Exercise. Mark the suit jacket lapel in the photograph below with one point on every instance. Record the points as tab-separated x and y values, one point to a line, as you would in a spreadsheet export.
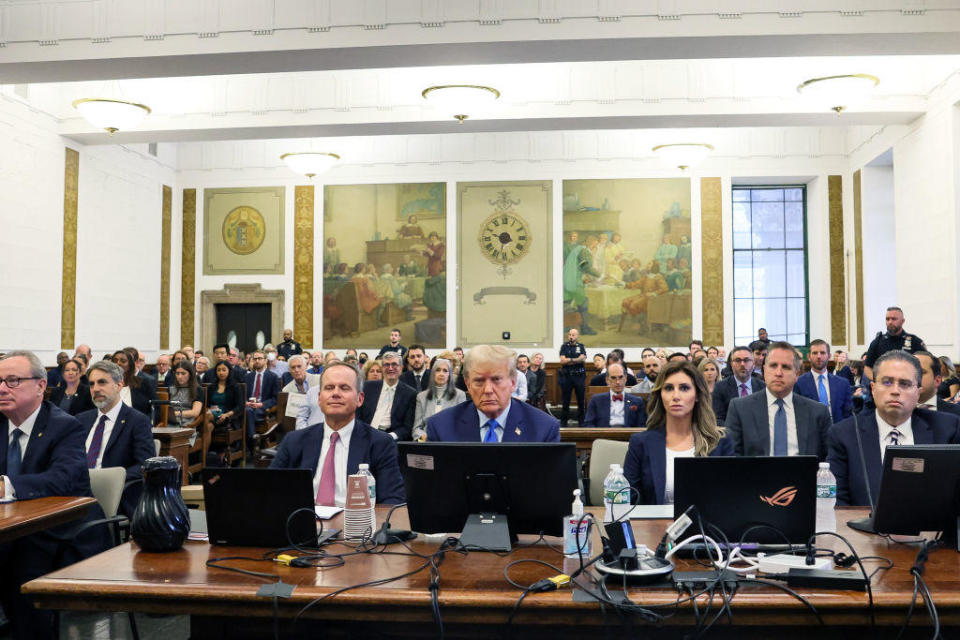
870	438
513	430
117	428
468	424
605	408
33	444
761	422
4	441
310	456
358	444
657	455
802	418
922	431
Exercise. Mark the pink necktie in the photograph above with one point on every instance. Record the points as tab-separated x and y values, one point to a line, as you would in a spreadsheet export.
743	389
328	480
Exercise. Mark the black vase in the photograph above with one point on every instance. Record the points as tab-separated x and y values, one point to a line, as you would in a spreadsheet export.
161	521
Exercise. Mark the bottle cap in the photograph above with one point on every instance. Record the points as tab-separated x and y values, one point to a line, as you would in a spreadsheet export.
824	465
363	466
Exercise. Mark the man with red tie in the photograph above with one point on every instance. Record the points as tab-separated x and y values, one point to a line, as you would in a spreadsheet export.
263	386
616	408
336	448
741	384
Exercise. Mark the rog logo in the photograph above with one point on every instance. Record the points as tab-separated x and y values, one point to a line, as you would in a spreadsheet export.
781	498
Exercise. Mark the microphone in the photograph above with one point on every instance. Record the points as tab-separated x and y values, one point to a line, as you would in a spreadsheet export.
863	524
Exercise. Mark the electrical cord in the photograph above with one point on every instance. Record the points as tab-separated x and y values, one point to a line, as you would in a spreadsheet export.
788	590
858	561
920	588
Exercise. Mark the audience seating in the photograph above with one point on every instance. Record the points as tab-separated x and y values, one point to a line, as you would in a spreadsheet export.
203	424
232	433
602	455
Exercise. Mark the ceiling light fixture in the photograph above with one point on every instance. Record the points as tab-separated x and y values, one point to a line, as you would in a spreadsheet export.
310	163
841	91
110	114
461	101
683	154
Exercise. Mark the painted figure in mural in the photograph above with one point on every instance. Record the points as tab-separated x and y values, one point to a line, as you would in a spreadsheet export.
654	285
577	266
367	295
398	289
435	287
664	252
672	276
683	266
614	250
436	253
633	274
684	251
596	255
411	229
331	255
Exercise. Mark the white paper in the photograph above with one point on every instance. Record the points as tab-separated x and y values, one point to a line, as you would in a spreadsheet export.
325	513
294	402
651	512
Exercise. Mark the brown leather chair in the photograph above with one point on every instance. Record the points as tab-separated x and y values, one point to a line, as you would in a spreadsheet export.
203	423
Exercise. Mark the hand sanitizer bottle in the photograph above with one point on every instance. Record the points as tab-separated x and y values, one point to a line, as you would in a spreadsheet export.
576	528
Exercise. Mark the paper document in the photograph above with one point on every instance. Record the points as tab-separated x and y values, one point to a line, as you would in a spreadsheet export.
326	512
294	402
651	512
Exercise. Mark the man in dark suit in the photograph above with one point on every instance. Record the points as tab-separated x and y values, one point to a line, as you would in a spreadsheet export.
616	408
929	398
417	374
741	384
824	387
778	422
41	454
896	420
263	386
335	449
491	415
116	435
389	405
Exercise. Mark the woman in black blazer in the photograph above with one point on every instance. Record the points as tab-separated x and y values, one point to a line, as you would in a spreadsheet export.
224	399
72	394
681	423
141	390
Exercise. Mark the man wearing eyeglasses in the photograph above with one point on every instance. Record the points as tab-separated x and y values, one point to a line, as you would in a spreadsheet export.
896	421
389	405
741	384
42	454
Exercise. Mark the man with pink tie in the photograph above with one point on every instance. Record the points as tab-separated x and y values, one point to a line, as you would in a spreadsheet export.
742	383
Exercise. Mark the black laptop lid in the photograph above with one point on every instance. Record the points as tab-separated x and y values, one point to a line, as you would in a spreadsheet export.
250	507
735	494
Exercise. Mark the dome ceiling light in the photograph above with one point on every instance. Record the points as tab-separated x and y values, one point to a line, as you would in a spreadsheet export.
461	101
110	114
841	91
310	163
683	154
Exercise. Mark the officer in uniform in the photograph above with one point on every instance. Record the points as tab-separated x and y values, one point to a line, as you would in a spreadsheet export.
895	338
573	376
289	347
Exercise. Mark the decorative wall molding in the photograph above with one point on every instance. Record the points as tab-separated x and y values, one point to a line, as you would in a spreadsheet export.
711	252
188	261
166	216
858	254
303	238
838	298
68	302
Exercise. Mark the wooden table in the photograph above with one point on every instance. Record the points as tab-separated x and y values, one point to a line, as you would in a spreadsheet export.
23	517
473	591
175	442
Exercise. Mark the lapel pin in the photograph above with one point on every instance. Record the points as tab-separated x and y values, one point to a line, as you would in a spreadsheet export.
40	435
517	430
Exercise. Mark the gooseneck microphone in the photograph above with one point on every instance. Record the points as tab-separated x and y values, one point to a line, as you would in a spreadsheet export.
863	524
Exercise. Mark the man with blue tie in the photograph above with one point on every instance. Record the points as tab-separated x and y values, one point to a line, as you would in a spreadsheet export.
740	385
616	408
778	422
824	387
491	415
41	455
897	420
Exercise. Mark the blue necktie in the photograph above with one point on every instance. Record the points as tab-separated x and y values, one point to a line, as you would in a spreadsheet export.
822	391
13	455
491	432
780	430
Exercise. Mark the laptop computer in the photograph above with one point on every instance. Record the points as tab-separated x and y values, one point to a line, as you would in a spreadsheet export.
737	493
250	507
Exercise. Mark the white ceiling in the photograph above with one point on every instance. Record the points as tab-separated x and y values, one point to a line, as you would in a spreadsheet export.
269	69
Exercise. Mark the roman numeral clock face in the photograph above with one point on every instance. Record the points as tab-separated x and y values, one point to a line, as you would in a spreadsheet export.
504	239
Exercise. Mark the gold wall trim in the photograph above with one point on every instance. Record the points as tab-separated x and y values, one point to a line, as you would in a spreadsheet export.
858	253
68	289
303	265
711	251
838	300
188	261
166	214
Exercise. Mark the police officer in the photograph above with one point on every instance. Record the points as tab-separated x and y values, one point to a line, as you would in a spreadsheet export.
288	347
894	338
573	376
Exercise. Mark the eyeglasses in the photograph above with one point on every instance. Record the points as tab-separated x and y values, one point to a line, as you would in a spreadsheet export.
13	382
741	360
903	385
391	365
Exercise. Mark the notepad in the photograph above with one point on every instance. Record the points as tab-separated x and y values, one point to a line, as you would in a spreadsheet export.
325	512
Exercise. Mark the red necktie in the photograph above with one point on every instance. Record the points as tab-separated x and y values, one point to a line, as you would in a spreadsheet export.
618	397
256	388
328	479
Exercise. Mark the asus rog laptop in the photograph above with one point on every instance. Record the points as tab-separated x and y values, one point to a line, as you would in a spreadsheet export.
735	494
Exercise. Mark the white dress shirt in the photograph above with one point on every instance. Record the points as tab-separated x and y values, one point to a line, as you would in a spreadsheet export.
616	411
9	493
668	483
381	417
125	396
107	430
339	462
520	392
884	429
501	424
792	447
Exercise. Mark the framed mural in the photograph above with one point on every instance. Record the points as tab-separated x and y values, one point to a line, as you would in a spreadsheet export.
384	264
243	230
504	257
627	260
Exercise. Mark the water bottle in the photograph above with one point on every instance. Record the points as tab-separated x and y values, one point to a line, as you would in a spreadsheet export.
616	494
826	498
364	470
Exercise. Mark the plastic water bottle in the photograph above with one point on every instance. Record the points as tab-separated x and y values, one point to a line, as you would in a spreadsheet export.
826	498
616	494
364	470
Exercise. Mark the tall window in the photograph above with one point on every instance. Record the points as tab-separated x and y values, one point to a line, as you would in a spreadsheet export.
770	263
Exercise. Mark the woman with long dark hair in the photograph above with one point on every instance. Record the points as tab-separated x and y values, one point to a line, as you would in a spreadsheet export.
680	424
225	401
135	392
441	394
186	391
